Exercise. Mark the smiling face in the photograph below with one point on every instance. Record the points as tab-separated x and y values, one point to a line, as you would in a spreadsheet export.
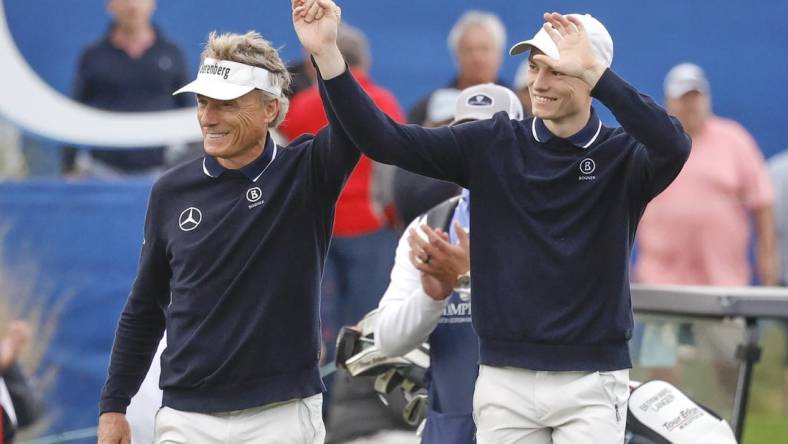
234	130
555	96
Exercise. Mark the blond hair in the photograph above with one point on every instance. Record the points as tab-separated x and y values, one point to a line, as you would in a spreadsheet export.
252	49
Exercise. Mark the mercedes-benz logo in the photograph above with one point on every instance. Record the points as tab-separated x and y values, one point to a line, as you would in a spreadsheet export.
190	218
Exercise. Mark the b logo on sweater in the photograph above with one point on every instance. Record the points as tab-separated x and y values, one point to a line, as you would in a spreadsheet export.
587	167
254	195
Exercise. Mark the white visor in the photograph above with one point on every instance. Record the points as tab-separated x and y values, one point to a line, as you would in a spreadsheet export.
226	80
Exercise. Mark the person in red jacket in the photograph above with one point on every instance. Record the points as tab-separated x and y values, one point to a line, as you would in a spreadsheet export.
361	251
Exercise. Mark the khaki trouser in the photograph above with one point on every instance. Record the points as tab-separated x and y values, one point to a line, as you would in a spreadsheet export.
512	405
298	421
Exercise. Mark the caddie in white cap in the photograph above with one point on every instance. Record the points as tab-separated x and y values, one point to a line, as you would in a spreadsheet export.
484	101
411	309
232	258
555	202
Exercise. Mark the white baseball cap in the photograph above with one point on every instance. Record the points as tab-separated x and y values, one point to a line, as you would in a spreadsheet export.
483	101
226	80
600	39
684	78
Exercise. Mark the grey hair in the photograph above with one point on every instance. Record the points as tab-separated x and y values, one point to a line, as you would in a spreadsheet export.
354	46
473	18
252	49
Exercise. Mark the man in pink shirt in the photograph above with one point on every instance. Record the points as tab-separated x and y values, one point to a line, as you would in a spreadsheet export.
697	231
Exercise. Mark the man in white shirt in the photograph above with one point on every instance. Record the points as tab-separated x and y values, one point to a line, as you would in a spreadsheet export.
418	307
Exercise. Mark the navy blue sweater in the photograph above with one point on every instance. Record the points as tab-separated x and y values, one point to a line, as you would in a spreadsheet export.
231	263
553	222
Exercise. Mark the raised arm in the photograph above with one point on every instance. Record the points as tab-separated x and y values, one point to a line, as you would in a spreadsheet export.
439	153
334	155
666	145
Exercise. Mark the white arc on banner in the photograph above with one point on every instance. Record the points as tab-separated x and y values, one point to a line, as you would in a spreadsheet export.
32	104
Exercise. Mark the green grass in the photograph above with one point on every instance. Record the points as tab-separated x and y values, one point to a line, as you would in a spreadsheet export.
764	429
713	383
767	415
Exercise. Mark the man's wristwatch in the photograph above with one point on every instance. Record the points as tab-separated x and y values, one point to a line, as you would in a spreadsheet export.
463	283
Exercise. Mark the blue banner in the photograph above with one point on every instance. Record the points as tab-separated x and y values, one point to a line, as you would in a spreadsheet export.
73	247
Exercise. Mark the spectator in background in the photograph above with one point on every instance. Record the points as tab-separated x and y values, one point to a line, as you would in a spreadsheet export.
440	108
521	87
303	74
361	250
476	42
133	67
19	406
12	161
778	170
697	231
413	193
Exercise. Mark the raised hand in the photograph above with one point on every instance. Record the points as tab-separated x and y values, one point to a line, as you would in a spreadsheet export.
577	57
316	23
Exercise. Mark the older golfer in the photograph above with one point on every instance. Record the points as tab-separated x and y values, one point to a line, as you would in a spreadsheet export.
231	262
